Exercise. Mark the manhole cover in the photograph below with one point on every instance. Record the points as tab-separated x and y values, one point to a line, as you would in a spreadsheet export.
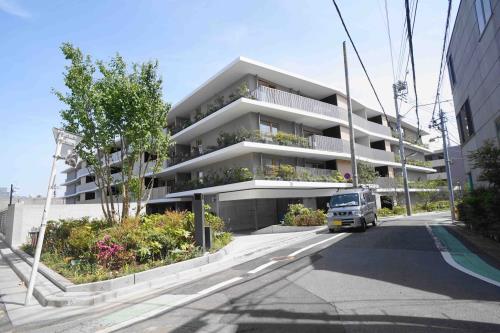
282	258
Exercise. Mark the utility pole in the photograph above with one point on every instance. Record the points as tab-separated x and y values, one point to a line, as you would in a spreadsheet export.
11	193
399	88
444	136
354	165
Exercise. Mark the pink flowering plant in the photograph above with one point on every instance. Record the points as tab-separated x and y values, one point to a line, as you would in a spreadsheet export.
93	250
110	254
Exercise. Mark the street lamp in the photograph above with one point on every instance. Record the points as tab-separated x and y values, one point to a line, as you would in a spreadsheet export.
65	145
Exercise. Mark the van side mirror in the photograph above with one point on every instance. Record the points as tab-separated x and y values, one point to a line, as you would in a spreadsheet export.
327	205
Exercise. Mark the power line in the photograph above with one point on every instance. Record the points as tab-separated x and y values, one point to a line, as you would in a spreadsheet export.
410	43
404	45
390	40
440	77
361	62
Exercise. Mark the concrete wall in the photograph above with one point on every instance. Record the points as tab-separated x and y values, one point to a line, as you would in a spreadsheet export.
476	62
19	219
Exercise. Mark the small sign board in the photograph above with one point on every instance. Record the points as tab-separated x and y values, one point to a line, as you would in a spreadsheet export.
68	141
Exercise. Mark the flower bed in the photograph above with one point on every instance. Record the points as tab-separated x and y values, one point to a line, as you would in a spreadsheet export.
93	250
298	215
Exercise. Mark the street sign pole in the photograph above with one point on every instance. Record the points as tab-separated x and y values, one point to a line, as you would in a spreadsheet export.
43	224
69	141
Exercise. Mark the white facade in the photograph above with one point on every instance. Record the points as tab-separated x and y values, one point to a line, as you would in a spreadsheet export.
254	116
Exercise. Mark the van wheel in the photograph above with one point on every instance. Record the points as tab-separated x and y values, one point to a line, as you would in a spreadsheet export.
363	226
374	223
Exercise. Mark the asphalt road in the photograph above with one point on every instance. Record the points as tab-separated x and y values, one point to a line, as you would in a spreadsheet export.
391	278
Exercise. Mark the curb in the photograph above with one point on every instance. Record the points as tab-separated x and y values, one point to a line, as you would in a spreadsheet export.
52	289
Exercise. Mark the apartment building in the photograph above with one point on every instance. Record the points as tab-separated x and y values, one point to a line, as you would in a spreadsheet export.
254	138
436	158
473	60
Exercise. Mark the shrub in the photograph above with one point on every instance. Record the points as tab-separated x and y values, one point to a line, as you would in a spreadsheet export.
87	251
298	215
82	242
381	212
479	211
288	139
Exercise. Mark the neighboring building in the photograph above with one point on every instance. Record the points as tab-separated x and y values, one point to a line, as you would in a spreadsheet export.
456	165
254	138
474	69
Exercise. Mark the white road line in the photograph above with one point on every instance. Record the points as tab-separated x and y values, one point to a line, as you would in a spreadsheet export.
293	254
219	285
164	308
261	267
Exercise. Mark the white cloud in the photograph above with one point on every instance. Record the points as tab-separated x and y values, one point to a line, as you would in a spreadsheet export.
13	8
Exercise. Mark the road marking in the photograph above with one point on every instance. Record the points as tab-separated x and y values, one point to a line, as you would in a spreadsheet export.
293	254
219	285
161	309
261	267
452	250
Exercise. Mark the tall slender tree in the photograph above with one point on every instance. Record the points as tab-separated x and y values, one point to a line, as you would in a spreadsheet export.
113	108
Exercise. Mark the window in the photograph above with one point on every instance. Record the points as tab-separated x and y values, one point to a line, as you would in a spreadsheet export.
90	196
483	13
451	71
268	128
89	179
465	123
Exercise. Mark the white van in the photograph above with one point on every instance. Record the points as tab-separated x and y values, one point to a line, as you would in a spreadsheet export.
352	209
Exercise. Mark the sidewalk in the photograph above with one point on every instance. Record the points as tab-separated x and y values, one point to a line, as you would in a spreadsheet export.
242	249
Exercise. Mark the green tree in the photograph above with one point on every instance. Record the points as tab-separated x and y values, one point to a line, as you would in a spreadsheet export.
487	158
366	173
115	107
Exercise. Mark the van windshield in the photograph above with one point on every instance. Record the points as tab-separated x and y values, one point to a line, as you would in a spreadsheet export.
343	200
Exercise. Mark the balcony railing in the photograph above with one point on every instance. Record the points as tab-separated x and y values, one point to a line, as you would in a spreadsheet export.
295	101
160	192
387	182
114	157
86	187
299	173
280	97
342	146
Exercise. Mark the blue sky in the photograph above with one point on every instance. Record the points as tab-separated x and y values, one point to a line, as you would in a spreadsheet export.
192	40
